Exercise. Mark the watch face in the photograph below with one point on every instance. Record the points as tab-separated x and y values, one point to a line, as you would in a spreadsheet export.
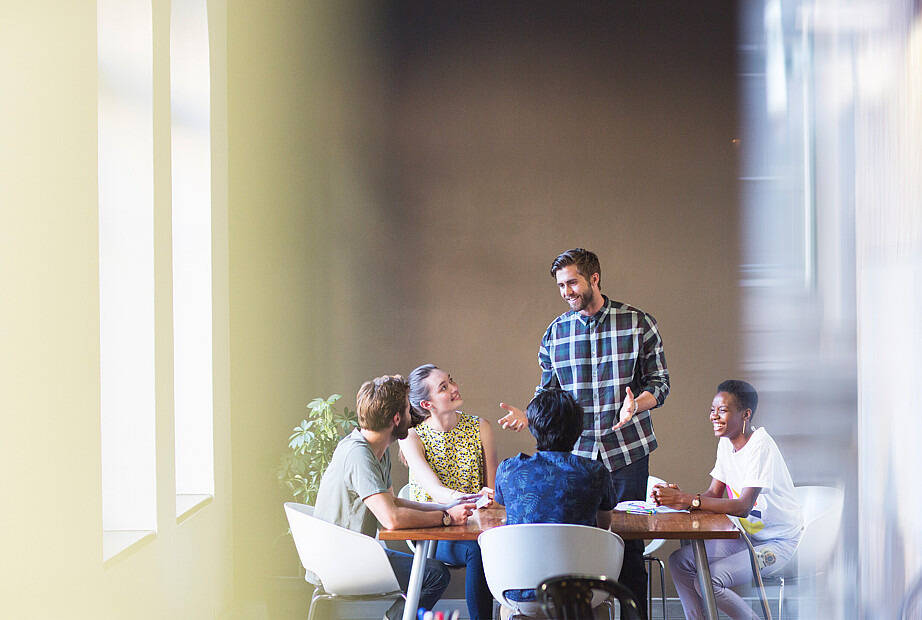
446	519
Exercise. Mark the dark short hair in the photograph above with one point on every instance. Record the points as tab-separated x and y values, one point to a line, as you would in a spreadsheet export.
555	419
745	395
587	263
379	400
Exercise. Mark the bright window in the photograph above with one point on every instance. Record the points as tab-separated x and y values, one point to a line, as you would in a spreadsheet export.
192	281
126	272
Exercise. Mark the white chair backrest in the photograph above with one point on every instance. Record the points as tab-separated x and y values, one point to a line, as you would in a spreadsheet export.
520	557
347	563
405	493
655	544
822	512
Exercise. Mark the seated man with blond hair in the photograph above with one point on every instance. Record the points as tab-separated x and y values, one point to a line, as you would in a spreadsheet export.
356	491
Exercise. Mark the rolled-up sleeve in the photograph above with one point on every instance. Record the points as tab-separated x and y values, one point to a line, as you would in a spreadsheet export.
548	376
654	374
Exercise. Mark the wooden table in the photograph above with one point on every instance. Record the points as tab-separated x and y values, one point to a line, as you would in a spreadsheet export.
482	520
695	526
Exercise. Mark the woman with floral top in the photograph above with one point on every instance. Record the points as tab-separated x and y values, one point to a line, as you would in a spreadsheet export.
450	454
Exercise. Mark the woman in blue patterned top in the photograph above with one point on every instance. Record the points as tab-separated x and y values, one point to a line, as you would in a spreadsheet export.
554	485
450	455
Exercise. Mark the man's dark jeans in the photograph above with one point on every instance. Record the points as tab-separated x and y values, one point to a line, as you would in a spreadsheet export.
434	581
630	483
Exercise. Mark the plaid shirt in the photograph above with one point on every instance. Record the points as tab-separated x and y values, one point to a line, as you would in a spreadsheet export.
595	358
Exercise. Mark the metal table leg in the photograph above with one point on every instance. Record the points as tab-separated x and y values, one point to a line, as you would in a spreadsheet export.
704	578
416	579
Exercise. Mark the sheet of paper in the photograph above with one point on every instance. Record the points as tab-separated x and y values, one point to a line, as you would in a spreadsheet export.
644	507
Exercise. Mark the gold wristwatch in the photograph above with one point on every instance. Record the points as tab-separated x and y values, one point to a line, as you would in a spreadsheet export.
446	518
696	503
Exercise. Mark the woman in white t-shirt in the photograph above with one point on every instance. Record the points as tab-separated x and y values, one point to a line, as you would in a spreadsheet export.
749	482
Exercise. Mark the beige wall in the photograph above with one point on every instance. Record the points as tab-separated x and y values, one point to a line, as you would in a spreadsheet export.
49	329
398	192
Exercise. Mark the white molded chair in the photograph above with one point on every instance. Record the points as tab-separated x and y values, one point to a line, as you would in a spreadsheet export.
350	565
649	559
404	493
821	507
521	557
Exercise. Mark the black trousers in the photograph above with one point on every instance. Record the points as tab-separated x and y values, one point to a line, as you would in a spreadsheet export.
630	483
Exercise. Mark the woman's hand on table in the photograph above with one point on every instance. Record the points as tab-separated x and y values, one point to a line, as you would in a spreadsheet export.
477	498
670	496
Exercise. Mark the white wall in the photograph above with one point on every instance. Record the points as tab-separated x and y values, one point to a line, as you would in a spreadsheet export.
51	520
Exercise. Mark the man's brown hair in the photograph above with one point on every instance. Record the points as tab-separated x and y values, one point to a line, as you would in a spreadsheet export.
379	400
587	263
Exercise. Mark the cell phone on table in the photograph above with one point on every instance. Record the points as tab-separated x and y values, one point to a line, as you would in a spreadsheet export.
483	501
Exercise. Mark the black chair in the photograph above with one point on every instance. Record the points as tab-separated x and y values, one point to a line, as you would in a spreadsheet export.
569	597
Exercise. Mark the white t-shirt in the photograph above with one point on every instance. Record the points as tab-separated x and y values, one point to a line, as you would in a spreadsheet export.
776	514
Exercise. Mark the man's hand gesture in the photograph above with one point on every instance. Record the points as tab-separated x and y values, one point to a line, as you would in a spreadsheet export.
628	409
515	419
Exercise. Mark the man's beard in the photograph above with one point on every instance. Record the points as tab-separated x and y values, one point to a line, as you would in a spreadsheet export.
401	431
583	301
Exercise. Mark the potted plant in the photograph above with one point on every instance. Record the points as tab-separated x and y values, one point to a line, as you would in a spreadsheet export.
311	446
300	469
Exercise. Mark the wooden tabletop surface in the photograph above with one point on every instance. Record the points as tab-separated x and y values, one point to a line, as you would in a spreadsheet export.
682	525
678	525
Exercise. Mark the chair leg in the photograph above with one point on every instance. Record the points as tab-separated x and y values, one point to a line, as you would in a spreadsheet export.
649	565
781	601
611	608
757	576
315	598
648	560
662	587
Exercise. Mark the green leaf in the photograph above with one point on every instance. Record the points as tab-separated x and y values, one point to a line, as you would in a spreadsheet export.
311	446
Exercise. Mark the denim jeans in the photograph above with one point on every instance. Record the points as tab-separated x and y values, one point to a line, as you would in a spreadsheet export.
630	483
476	591
435	580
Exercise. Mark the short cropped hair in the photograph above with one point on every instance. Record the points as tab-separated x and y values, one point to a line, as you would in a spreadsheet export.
587	263
379	400
555	419
745	395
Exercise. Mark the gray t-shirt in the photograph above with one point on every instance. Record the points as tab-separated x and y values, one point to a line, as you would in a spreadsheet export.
353	474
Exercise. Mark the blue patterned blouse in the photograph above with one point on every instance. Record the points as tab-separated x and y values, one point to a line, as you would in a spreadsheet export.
553	487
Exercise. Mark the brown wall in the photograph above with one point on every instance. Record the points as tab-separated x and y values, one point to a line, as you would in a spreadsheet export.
401	178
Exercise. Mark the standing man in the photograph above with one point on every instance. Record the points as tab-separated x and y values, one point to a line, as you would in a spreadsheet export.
609	356
356	491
